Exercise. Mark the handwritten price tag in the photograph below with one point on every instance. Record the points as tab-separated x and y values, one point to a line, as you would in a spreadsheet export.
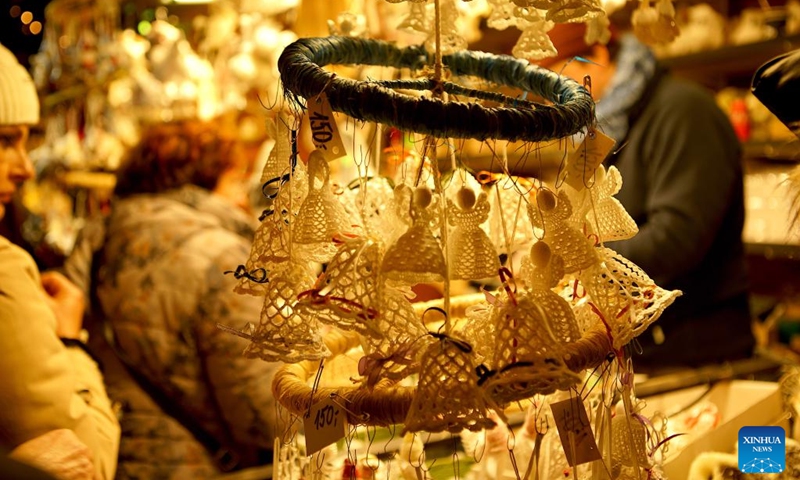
325	425
575	431
324	131
584	161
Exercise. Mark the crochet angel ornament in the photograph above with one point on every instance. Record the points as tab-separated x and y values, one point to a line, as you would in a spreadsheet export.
543	272
552	214
472	255
596	210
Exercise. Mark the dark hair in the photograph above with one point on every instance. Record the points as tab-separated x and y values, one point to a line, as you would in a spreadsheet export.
172	155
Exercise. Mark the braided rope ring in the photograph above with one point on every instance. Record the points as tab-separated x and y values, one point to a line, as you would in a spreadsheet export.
301	63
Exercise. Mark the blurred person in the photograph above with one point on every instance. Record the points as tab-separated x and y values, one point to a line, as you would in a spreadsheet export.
54	411
192	405
682	182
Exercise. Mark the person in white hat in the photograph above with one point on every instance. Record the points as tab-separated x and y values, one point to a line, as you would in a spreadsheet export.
54	411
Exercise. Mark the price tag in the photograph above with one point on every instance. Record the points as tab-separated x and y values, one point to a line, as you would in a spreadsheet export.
325	425
575	431
584	161
324	131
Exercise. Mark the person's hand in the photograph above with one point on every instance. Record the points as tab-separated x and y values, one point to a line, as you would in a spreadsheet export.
59	453
67	302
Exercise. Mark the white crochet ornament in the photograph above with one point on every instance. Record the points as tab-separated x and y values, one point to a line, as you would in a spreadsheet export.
597	211
478	331
528	359
534	43
628	444
279	159
416	257
271	248
399	340
546	270
321	217
283	335
552	215
627	298
447	396
472	254
347	295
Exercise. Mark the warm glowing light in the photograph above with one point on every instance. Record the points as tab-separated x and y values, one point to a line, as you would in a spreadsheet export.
63	41
144	27
15	11
26	17
36	27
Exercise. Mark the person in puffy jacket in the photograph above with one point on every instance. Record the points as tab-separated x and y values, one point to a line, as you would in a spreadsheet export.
178	221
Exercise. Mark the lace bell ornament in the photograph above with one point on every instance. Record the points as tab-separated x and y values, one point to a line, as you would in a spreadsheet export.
347	296
447	396
628	446
416	257
552	215
628	300
527	360
472	254
271	250
393	352
283	335
321	217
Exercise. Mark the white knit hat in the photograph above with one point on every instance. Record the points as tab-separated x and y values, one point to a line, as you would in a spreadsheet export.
19	103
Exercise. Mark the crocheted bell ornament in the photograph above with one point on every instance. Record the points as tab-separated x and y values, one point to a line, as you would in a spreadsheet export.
597	212
478	331
655	25
528	359
271	249
447	396
283	335
625	296
416	257
552	215
472	255
628	444
347	296
394	352
544	271
321	217
279	160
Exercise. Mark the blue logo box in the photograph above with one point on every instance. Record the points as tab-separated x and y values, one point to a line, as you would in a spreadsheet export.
762	449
